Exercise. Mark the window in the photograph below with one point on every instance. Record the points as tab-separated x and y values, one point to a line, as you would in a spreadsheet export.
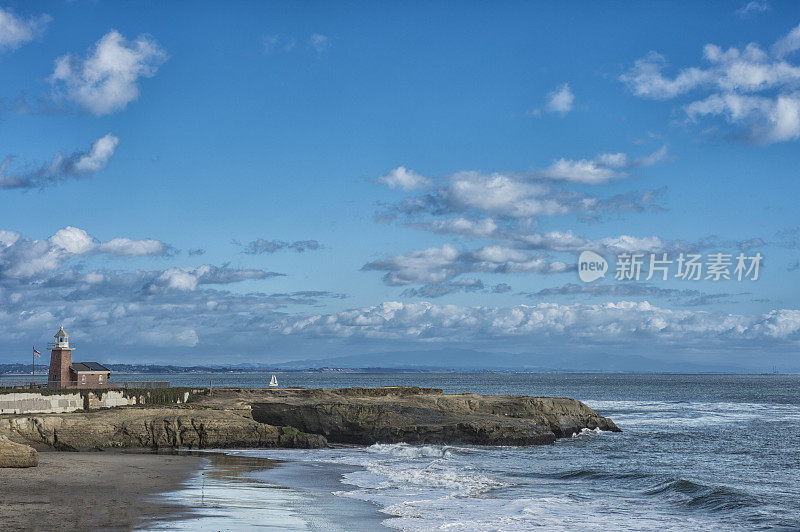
100	379
83	379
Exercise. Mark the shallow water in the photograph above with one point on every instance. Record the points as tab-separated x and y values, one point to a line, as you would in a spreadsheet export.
700	452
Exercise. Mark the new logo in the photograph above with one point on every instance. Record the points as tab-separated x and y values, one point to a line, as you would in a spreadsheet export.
591	266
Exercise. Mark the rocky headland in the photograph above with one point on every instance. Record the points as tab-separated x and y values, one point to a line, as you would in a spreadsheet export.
306	418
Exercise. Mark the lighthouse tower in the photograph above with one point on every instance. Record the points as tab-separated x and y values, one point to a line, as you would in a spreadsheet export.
60	360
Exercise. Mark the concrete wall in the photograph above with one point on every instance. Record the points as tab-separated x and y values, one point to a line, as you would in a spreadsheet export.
38	403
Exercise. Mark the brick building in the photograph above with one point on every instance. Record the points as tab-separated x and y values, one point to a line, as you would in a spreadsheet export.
64	373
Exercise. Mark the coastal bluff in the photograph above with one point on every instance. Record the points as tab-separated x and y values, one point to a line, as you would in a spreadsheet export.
312	418
426	415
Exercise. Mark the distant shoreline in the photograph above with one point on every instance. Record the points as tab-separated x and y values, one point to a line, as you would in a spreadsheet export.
155	369
403	371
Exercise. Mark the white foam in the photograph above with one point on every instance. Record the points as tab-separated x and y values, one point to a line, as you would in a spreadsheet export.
633	414
404	450
433	487
588	432
561	512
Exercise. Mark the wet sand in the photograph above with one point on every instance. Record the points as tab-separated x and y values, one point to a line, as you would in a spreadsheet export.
240	490
107	490
192	490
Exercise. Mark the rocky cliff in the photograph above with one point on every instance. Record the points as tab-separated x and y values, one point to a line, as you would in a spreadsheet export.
312	418
153	427
419	415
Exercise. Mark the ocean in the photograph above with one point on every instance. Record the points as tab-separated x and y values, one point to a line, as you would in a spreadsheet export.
697	452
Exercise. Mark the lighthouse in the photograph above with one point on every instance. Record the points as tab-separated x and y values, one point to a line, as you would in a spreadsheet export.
60	360
64	373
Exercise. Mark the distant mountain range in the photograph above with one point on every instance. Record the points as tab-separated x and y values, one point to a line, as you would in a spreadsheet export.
22	369
470	360
436	360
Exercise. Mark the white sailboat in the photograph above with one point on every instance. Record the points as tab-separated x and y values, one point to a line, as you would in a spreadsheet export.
273	382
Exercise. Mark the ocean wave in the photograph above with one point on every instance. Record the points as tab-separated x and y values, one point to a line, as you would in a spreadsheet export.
628	414
434	478
699	496
408	451
555	512
593	474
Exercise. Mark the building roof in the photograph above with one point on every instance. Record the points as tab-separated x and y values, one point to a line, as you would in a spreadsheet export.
61	333
78	367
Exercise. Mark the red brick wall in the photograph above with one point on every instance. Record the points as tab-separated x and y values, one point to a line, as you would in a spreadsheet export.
60	359
92	380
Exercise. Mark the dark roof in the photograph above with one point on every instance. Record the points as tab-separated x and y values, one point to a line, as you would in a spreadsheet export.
88	366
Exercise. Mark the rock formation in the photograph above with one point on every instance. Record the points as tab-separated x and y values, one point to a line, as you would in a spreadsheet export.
16	454
416	415
153	427
311	418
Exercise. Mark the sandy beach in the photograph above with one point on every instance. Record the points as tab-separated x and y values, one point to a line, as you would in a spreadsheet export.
107	490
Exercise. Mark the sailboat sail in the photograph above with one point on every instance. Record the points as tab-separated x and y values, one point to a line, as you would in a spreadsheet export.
273	381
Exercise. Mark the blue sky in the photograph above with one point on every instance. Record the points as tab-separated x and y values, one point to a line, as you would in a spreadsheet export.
256	181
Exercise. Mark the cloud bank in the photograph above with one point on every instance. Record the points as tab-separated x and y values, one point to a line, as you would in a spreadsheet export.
604	323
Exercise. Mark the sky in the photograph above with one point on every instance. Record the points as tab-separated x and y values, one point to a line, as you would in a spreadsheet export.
255	182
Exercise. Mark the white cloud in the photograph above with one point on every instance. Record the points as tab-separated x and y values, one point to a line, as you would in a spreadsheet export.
752	7
98	156
748	87
73	241
107	80
270	43
482	228
787	44
501	195
125	247
646	80
770	119
320	43
277	43
567	241
60	167
21	258
403	178
514	195
584	171
431	265
178	279
560	100
443	264
602	168
8	237
15	31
